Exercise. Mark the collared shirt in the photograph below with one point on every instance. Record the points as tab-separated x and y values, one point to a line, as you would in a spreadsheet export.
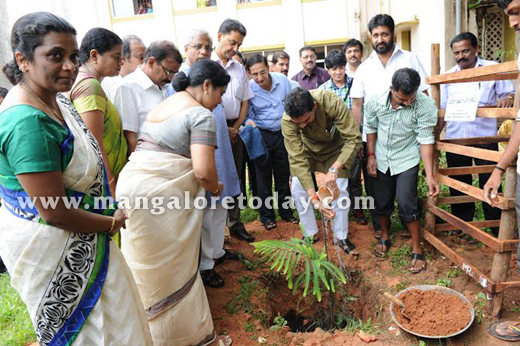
331	136
480	127
266	107
294	84
349	72
401	131
110	85
135	98
318	77
372	78
184	68
238	89
341	92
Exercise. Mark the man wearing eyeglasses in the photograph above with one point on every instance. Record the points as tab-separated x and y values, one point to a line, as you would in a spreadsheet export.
312	76
198	45
143	90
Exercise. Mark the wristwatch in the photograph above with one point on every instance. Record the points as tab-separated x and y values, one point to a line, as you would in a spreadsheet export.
333	170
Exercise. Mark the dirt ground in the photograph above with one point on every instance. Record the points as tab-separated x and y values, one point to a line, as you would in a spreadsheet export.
267	295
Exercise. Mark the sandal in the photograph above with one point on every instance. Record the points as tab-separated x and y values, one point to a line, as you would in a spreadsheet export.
228	255
413	268
293	220
314	239
211	278
385	246
347	246
224	340
506	330
269	225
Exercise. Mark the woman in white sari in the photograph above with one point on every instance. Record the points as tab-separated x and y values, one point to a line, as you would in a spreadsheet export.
73	279
172	167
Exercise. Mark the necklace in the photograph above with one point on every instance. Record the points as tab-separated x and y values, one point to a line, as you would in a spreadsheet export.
54	112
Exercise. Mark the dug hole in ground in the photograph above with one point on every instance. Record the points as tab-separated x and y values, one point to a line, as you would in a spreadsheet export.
256	307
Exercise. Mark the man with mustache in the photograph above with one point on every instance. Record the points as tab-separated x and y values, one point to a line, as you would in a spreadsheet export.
353	53
235	104
373	77
400	124
312	76
143	90
465	48
281	61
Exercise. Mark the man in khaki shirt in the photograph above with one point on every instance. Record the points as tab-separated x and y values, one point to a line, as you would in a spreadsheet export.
320	135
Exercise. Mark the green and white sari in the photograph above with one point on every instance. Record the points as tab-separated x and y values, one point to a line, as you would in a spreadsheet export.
77	287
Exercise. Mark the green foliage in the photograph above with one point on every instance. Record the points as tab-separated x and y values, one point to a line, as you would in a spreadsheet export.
401	286
242	301
354	325
453	273
400	258
279	322
248	327
480	305
515	309
286	257
15	323
443	282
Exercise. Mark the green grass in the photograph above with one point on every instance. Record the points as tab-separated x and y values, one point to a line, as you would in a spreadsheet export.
354	325
15	324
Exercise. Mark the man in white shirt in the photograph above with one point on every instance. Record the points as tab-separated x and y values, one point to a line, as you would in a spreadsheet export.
235	102
354	54
374	76
133	54
465	48
141	91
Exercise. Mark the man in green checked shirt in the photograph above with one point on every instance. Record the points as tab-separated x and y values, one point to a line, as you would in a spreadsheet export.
400	130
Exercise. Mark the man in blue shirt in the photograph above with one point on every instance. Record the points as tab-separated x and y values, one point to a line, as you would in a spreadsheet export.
265	112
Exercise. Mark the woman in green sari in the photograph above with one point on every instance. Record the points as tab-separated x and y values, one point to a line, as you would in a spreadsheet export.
54	237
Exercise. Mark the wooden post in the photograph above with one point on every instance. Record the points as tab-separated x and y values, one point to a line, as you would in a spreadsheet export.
506	232
436	95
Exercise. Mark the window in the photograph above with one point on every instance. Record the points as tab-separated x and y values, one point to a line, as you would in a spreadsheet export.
190	5
127	8
322	51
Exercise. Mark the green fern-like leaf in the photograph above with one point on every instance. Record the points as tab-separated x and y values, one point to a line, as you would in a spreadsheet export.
302	265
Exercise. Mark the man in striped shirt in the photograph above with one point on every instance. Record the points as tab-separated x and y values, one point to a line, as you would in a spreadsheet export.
400	124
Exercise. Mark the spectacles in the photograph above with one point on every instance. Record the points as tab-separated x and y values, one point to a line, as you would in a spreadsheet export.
199	47
169	73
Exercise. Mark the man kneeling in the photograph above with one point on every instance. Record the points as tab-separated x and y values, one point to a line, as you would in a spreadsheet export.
320	135
400	129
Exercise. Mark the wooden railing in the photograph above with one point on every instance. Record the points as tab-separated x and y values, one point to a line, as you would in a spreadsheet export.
496	282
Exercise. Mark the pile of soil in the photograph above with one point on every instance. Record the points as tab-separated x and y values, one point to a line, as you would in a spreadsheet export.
432	313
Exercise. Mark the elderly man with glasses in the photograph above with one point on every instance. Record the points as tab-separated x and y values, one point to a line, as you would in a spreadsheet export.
143	90
197	46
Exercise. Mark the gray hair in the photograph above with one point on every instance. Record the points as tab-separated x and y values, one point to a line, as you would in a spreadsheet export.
194	33
127	41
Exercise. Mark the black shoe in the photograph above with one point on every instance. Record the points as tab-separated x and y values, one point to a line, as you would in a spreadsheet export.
242	234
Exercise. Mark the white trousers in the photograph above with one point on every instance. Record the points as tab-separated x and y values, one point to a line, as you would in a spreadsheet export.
307	217
213	233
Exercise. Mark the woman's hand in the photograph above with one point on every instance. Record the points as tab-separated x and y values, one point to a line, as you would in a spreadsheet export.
120	217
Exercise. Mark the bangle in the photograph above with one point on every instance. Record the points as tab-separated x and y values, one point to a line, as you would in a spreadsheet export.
371	154
500	169
112	223
111	181
216	191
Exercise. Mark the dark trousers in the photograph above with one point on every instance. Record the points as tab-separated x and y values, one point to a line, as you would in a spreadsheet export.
354	182
234	222
370	188
278	165
466	211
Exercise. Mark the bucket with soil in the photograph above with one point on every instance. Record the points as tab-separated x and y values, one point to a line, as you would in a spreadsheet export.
433	312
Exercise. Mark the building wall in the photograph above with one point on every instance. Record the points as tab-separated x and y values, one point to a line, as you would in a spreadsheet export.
271	24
